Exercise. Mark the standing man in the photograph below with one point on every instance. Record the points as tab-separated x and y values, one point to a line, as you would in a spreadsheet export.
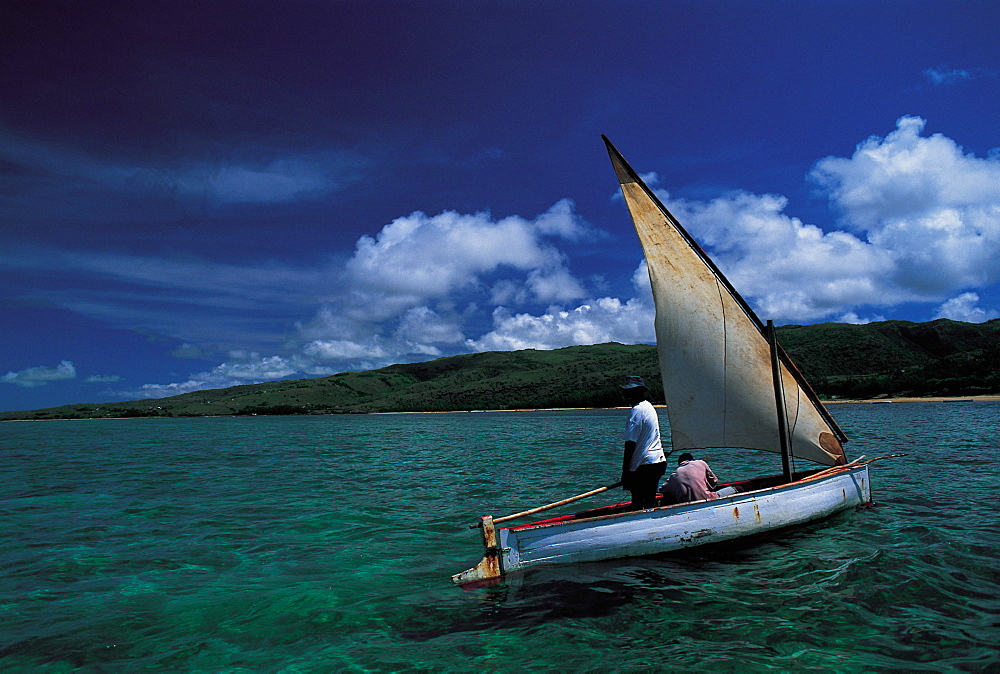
643	463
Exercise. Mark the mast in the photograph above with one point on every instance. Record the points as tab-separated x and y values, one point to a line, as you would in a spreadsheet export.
779	400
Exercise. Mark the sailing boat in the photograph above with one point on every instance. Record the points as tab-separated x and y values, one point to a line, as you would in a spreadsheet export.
727	383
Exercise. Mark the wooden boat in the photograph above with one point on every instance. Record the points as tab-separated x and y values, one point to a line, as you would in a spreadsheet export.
727	383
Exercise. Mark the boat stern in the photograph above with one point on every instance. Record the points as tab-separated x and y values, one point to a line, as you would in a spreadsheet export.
489	570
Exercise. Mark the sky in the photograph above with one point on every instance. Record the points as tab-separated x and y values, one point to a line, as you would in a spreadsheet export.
195	195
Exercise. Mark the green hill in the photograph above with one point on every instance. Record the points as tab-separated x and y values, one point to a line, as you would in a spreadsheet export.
890	358
897	358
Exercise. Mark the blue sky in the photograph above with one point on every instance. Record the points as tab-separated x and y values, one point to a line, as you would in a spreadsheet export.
194	195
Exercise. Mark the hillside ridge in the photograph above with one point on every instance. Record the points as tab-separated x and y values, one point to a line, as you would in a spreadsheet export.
883	359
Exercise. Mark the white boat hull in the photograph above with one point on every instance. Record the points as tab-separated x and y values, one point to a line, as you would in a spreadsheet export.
668	528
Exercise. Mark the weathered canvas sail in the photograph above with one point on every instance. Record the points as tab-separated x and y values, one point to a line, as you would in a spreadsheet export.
715	360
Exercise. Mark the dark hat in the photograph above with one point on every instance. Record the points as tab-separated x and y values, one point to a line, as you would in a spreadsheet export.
633	382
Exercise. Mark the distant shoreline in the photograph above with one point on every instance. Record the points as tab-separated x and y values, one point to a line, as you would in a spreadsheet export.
931	399
858	401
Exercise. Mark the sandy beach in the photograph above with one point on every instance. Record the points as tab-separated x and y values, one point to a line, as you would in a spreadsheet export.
932	399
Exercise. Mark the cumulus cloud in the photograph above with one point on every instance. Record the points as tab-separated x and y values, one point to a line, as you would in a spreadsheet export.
40	375
420	256
247	368
407	291
422	325
792	271
255	368
608	319
604	320
554	285
933	209
344	350
963	308
854	319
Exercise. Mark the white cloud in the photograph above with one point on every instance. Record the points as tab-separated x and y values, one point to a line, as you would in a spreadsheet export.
420	256
604	320
402	289
421	332
607	319
561	221
343	350
252	370
963	308
793	271
640	279
255	369
422	325
40	375
508	291
933	209
554	285
854	319
906	174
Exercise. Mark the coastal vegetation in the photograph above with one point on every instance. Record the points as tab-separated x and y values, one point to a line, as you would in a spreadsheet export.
877	360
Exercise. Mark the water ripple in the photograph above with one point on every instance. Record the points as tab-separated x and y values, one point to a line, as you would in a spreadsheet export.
326	543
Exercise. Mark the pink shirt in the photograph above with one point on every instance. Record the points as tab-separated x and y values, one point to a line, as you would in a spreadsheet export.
692	481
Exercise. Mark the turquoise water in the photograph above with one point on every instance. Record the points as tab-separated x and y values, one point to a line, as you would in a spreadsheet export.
327	544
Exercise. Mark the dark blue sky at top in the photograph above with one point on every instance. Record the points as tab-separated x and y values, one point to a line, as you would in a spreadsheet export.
183	185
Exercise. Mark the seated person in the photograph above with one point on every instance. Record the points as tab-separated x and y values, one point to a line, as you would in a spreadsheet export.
692	481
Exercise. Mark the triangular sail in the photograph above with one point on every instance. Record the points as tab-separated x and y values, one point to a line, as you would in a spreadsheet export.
715	360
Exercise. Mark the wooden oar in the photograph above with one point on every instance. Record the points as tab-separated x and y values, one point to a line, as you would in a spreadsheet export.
858	462
539	509
887	456
834	469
